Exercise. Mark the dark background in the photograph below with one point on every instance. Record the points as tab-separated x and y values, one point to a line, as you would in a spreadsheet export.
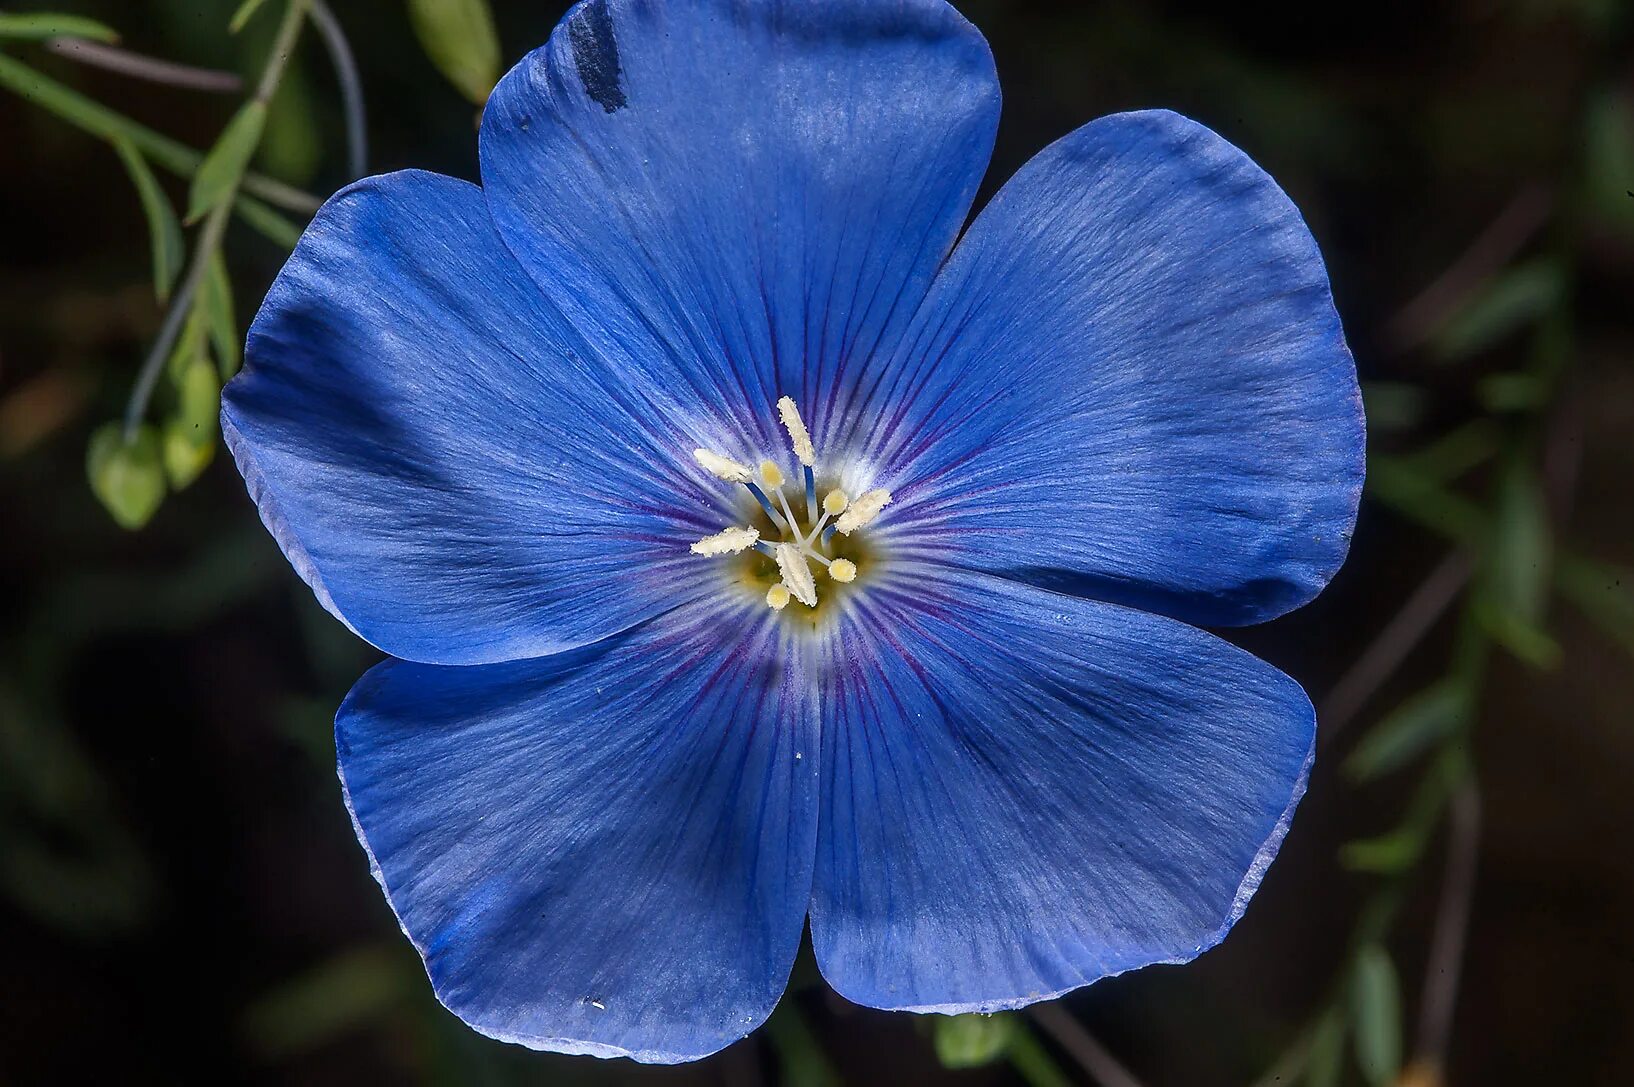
181	897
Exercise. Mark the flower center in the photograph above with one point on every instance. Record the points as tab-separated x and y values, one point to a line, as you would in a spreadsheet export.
789	552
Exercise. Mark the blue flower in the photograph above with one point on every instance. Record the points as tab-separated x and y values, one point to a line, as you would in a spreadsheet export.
751	553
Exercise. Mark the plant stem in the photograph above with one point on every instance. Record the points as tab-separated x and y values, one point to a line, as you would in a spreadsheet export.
351	87
98	120
114	59
210	235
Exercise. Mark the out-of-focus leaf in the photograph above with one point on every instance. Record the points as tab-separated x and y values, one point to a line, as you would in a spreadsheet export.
1609	160
342	994
189	439
1513	589
1510	302
1325	1063
1512	392
1392	405
1603	593
1411	729
163	229
246	11
1421	498
459	37
1402	847
223	168
967	1041
220	319
1375	1007
126	477
42	25
290	149
800	1056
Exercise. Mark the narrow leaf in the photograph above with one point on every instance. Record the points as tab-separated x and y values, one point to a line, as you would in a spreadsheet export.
217	301
126	477
223	168
1326	1060
1427	717
1604	594
1513	300
968	1041
185	457
246	11
1513	589
1376	1015
459	37
38	27
163	229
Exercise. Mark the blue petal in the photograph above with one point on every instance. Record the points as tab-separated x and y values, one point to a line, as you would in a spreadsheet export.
1130	383
607	851
1025	792
455	473
757	192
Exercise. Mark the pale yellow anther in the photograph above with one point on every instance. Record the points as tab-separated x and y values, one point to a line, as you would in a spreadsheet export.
771	474
864	509
777	597
722	467
842	570
834	503
791	563
799	436
727	542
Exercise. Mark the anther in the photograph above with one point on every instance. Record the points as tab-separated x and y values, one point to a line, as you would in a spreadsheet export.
834	503
771	474
777	597
862	511
791	563
842	570
799	436
727	542
722	467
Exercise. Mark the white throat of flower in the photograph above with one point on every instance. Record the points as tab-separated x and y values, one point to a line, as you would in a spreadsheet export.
801	545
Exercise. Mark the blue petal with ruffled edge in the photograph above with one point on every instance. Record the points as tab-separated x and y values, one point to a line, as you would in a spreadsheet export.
1024	792
757	193
458	475
607	851
1130	383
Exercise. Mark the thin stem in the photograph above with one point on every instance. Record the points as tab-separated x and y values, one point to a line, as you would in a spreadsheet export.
351	87
1441	973
98	120
210	235
111	58
1081	1045
1394	644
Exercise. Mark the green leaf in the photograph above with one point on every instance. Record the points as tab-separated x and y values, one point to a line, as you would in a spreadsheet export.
223	168
1392	405
1325	1062
1603	593
1401	848
1375	1007
37	27
459	37
1609	160
968	1041
217	300
350	990
1514	587
1409	730
185	457
1512	392
1510	302
126	476
163	230
246	11
198	399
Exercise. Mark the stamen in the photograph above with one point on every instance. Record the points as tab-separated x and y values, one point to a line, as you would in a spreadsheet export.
727	542
863	510
799	436
791	563
842	570
777	597
834	503
771	474
722	467
766	504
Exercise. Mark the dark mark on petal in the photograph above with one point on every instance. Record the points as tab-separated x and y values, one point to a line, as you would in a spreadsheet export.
595	53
